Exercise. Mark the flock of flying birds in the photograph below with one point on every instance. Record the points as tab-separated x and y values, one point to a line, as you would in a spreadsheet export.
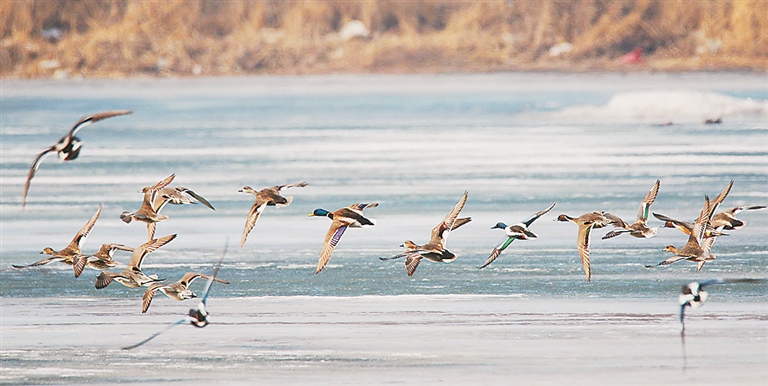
702	233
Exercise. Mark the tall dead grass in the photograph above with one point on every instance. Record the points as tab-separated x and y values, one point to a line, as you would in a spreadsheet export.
185	37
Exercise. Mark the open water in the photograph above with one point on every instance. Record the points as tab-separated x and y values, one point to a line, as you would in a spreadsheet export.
414	144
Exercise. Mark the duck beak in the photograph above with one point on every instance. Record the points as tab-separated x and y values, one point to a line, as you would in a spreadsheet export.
311	215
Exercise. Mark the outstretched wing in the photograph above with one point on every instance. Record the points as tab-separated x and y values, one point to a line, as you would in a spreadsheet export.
615	233
38	263
497	251
105	278
582	244
78	263
645	205
82	234
412	262
719	199
150	246
449	221
93	118
256	210
32	170
331	239
673	259
533	218
684	226
162	183
153	336
359	207
198	197
149	294
615	220
700	227
286	186
459	222
215	272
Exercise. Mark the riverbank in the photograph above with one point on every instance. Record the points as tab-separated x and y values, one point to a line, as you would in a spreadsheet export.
185	38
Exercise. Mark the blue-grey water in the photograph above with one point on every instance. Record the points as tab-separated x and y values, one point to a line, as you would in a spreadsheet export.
414	144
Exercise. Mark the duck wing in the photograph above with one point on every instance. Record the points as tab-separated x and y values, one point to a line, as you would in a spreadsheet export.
150	246
497	251
38	263
671	260
256	210
538	214
32	170
331	239
105	278
199	198
79	239
286	186
715	203
93	118
460	221
149	294
683	226
439	231
615	233
78	263
153	336
700	226
645	205
209	283
412	262
582	244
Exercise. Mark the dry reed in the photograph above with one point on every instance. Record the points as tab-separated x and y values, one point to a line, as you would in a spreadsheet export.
211	37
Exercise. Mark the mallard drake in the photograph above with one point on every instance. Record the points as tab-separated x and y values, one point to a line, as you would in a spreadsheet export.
197	316
434	250
348	217
586	223
639	228
178	290
132	276
727	219
72	253
514	232
264	198
150	207
68	146
102	259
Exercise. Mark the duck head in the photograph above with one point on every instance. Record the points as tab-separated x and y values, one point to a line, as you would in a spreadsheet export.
564	218
409	244
48	251
670	248
247	189
500	225
321	212
126	217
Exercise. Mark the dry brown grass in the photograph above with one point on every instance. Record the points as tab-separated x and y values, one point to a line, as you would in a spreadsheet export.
212	37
